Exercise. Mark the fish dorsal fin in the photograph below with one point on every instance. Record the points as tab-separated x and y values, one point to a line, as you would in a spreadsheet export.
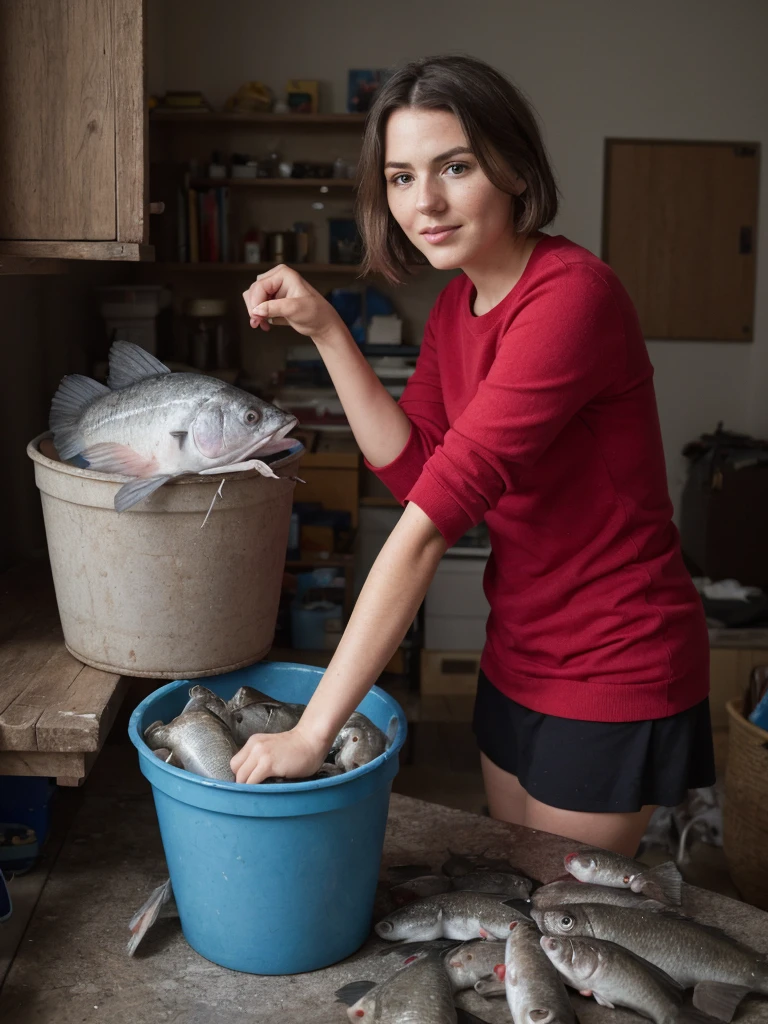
129	363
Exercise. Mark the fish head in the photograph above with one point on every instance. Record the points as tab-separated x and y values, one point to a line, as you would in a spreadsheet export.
362	742
577	958
421	920
582	865
231	425
564	920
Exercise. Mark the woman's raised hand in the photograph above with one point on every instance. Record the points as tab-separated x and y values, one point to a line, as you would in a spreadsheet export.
282	296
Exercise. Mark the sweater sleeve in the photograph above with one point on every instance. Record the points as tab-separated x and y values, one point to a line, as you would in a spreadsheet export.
564	347
422	403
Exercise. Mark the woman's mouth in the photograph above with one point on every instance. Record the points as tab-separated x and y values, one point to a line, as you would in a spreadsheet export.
437	235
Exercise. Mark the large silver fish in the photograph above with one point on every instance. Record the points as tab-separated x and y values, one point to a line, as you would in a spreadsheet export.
199	740
535	991
453	915
154	425
721	970
602	867
616	977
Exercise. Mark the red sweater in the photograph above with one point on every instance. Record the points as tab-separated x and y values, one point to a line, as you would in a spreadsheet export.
540	418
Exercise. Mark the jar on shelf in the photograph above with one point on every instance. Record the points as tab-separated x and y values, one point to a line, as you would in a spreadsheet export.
208	342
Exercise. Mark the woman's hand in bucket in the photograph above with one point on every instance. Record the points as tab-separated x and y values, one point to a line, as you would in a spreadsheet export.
281	296
289	755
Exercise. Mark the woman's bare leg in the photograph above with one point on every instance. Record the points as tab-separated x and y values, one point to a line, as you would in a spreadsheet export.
506	797
618	832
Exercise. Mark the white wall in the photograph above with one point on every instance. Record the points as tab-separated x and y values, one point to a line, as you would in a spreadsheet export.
679	69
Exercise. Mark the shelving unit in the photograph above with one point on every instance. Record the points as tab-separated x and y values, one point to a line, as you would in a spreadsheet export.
226	118
346	269
324	184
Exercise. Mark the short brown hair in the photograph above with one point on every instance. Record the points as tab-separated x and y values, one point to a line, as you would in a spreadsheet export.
501	129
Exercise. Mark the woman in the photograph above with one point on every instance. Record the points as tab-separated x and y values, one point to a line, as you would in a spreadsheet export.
532	408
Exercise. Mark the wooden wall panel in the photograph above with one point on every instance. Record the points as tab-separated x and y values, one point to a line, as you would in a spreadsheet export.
680	230
57	129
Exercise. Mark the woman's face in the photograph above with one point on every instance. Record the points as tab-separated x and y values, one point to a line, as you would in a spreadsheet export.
438	193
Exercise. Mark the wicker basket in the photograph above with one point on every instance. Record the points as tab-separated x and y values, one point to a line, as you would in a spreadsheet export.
745	812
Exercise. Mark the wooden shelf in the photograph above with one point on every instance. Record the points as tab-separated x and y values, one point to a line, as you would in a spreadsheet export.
259	268
327	183
55	712
207	117
75	250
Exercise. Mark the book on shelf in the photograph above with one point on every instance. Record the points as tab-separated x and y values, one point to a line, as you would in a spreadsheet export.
203	234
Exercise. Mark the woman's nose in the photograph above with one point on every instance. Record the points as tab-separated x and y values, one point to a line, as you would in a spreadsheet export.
430	198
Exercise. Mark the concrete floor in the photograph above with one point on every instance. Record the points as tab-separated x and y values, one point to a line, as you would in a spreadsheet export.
104	856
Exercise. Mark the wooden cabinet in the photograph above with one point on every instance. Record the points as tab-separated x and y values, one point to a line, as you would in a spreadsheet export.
73	177
680	230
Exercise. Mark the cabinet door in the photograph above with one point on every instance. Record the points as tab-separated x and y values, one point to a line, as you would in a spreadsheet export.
73	137
680	230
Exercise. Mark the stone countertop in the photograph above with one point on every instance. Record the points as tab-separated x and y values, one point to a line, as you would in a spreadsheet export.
72	965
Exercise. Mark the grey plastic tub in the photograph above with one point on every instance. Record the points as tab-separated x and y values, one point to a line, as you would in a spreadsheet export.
150	593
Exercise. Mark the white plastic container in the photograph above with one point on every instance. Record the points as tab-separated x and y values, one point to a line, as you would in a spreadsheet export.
150	593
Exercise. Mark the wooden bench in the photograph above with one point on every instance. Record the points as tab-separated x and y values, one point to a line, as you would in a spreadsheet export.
55	712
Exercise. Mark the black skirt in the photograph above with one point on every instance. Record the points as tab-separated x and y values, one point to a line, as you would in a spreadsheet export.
616	767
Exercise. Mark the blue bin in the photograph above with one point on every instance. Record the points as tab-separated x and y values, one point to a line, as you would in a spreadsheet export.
278	878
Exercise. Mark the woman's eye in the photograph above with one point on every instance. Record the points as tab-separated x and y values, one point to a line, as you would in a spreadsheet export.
457	169
399	179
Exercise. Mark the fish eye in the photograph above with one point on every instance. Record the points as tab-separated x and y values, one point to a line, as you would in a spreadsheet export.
469	956
566	922
251	417
627	879
355	739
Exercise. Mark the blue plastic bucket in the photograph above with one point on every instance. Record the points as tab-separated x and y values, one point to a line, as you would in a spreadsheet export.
279	878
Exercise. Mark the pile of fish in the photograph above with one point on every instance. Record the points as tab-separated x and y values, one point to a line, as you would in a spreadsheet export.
154	425
610	929
208	733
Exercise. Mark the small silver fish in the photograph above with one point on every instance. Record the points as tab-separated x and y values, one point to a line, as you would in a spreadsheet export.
254	712
474	961
605	868
452	915
459	864
562	892
419	888
155	425
503	882
359	741
720	970
535	991
419	992
616	977
201	696
200	740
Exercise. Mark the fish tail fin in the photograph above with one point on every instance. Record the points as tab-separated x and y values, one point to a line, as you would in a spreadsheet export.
74	394
155	736
147	914
662	883
392	731
129	363
465	1017
132	493
717	999
349	994
521	906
